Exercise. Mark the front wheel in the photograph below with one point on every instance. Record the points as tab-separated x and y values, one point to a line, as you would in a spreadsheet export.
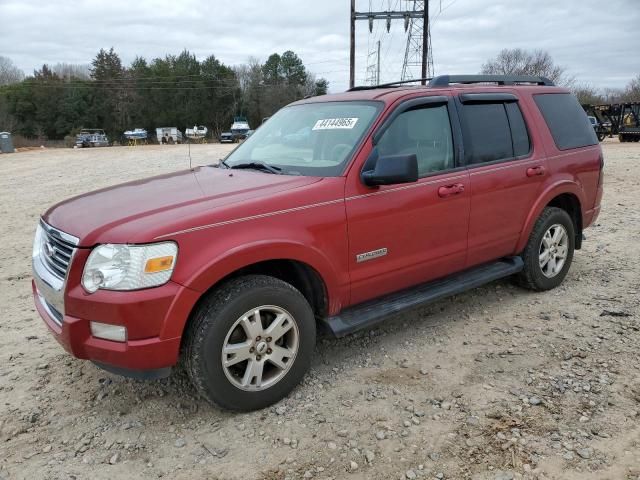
250	343
549	251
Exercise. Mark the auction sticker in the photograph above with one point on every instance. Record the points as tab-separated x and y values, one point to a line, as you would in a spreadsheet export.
333	123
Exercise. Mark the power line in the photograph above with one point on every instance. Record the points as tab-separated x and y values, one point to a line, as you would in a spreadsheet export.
371	16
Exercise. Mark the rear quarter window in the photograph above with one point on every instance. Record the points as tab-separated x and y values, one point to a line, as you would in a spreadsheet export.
566	120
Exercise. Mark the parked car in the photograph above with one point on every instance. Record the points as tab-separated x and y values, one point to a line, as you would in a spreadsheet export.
228	137
388	199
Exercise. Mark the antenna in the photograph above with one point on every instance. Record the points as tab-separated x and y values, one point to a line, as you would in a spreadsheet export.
189	147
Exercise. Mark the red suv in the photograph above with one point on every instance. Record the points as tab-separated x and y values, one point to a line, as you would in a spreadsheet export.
338	212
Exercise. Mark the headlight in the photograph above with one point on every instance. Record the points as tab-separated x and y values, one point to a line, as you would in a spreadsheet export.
129	267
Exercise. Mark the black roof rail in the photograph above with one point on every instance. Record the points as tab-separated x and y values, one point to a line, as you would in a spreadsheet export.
387	85
446	80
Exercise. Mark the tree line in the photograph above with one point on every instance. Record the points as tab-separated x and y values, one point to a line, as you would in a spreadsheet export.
518	61
182	91
177	90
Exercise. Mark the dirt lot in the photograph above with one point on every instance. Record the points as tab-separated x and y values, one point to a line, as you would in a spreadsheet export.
498	383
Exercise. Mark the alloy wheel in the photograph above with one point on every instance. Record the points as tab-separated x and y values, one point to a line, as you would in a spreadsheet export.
553	251
260	348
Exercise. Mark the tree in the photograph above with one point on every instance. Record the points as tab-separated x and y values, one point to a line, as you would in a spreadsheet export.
272	70
322	86
110	106
292	69
70	71
175	90
9	73
106	65
632	92
524	62
587	95
252	90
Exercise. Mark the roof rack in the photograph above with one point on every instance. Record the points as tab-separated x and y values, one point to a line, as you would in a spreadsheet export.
446	80
388	85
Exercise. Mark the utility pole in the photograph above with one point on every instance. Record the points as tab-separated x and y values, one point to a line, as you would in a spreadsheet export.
352	53
407	15
378	66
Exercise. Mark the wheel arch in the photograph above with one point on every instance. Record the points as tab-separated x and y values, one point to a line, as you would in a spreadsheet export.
301	267
564	195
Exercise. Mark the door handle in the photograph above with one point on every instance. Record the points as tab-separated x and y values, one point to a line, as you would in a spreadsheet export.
535	171
448	190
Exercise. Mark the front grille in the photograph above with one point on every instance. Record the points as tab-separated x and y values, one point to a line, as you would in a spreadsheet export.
57	250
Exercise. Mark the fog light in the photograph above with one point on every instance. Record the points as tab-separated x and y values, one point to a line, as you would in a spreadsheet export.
116	333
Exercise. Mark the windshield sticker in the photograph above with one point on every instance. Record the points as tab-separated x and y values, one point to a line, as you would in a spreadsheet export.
333	123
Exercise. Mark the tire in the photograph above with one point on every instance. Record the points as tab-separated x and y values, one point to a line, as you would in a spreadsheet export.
225	318
540	276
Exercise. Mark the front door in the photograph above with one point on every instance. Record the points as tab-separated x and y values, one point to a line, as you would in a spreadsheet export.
403	235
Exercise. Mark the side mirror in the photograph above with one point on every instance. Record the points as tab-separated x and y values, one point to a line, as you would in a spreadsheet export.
390	170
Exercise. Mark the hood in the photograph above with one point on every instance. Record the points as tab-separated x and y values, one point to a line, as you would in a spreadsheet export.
142	210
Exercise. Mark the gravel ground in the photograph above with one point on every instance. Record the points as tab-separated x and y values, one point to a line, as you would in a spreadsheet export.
498	383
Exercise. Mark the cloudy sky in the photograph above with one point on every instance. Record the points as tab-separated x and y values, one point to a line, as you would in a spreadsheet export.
597	42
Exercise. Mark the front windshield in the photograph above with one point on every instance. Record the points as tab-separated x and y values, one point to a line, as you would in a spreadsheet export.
314	139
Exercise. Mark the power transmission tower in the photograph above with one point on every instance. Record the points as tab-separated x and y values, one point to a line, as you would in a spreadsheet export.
418	52
373	68
407	15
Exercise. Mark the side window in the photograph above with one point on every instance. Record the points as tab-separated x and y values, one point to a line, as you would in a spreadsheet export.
566	120
425	131
521	142
487	136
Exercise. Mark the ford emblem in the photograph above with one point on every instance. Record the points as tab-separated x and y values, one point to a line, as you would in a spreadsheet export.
49	250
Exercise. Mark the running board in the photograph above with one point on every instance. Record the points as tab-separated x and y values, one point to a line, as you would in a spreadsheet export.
372	312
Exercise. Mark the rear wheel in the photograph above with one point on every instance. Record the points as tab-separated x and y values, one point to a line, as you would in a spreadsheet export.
250	343
549	251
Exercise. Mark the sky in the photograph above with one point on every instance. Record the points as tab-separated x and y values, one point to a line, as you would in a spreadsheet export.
597	42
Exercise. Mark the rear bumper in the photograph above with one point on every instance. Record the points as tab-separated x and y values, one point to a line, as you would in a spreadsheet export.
135	355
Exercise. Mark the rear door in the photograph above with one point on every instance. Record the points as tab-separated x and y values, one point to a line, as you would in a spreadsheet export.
402	235
506	172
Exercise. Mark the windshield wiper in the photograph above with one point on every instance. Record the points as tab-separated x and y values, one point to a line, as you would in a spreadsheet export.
258	166
223	162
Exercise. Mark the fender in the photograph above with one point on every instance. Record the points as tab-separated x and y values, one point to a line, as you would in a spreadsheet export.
228	261
248	254
551	191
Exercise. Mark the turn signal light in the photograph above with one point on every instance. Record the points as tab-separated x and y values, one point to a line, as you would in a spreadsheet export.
159	264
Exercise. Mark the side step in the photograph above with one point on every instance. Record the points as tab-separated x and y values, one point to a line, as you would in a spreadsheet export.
374	311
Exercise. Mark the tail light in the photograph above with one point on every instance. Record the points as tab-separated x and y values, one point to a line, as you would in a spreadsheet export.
601	173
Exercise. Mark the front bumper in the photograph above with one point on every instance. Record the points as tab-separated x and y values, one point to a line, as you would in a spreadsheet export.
154	318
